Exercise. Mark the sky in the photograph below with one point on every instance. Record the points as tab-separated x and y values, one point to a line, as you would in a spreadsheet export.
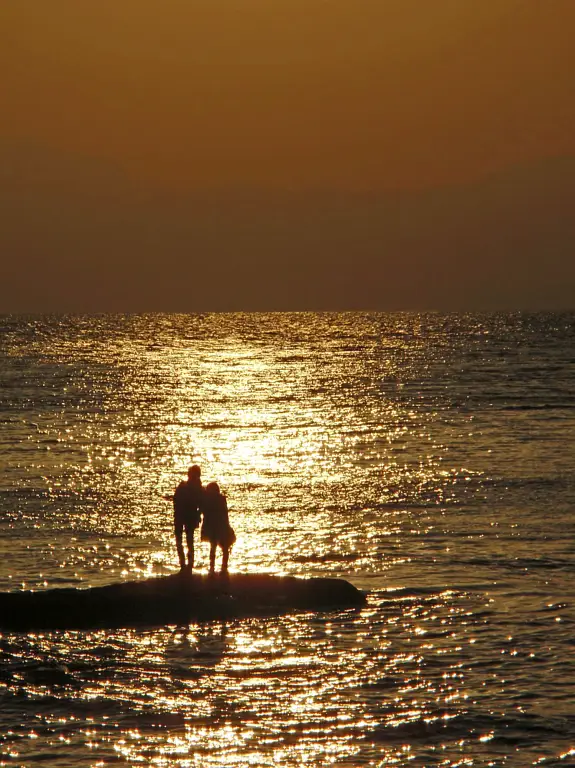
196	155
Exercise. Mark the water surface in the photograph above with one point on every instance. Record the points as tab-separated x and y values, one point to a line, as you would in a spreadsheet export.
428	459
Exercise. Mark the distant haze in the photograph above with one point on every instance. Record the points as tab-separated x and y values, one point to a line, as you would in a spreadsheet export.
287	154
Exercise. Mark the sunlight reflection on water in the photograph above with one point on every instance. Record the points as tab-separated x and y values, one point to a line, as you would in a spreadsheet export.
395	451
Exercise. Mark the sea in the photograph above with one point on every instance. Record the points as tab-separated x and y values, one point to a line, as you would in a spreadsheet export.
428	459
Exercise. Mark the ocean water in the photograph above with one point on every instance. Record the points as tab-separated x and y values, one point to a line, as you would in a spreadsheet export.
429	459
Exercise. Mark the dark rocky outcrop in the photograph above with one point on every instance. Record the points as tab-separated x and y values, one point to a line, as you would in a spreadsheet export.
173	599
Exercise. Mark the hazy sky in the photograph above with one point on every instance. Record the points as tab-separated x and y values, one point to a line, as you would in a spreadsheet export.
245	154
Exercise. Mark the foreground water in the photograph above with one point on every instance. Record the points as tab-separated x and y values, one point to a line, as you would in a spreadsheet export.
427	459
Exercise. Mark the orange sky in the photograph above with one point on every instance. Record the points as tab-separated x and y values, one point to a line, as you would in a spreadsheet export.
196	155
355	94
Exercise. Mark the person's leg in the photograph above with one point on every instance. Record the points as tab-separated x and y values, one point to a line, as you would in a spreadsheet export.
212	557
178	531
190	542
225	558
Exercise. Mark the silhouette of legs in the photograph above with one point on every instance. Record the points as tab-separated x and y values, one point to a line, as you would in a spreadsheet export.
225	558
190	543
178	531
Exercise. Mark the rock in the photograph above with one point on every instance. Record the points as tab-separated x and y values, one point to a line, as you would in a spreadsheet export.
180	598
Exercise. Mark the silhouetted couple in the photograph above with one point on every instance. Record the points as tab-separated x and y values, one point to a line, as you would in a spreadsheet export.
192	502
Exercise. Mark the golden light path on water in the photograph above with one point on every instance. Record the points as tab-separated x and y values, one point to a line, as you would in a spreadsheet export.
342	454
215	408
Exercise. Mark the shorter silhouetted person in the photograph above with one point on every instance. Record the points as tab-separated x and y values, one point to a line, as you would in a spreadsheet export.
188	503
216	526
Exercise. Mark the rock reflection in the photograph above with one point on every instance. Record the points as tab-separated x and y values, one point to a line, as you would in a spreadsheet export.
193	647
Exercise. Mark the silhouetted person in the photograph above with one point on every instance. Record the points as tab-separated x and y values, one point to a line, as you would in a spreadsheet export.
188	503
216	526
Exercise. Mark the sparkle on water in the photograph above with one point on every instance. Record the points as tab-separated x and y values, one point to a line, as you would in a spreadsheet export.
393	451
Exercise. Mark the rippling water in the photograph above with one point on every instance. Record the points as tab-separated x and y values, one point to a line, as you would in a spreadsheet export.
428	459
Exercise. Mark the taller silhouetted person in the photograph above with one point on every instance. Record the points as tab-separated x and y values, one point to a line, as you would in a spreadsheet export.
188	504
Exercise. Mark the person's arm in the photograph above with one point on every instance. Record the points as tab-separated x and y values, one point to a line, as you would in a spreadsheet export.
172	496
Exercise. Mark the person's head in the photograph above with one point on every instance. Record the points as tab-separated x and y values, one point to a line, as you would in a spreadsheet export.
194	472
212	489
